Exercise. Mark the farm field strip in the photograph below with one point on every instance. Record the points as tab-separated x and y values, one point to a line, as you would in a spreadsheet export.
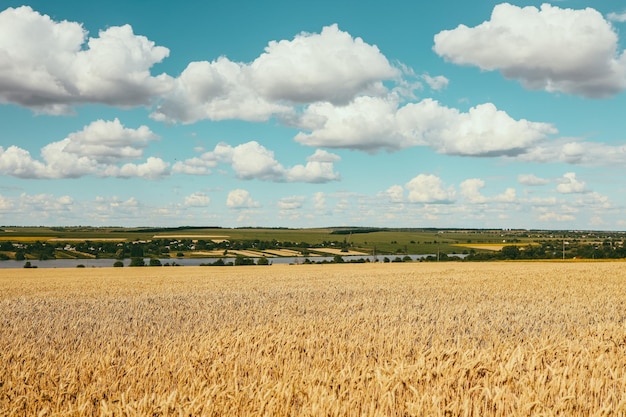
230	253
194	237
283	252
471	339
337	251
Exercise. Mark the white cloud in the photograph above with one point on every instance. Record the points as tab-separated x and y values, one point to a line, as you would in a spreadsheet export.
594	201
318	169
428	188
6	204
508	196
217	90
193	166
17	162
46	65
568	184
576	152
617	17
531	179
107	141
95	150
238	199
552	216
330	66
251	160
572	51
319	201
153	168
197	200
470	190
557	217
438	82
395	193
372	123
287	204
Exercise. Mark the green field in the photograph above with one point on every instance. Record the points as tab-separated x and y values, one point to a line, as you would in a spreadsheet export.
380	240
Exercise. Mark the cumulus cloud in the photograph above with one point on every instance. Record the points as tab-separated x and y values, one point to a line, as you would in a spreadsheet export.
238	199
98	149
197	200
617	17
374	123
216	90
569	184
576	152
570	51
531	179
328	66
428	188
287	204
319	201
438	82
49	66
251	160
556	217
152	169
470	190
318	169
395	194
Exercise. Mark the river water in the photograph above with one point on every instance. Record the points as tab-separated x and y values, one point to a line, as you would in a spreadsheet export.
105	263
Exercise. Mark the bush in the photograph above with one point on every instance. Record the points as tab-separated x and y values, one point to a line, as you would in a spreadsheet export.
155	262
137	262
263	261
338	259
118	264
80	266
243	260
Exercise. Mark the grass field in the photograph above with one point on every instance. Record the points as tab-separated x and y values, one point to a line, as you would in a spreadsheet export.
382	241
418	339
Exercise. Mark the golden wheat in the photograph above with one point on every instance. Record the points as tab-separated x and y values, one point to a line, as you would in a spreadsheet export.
462	339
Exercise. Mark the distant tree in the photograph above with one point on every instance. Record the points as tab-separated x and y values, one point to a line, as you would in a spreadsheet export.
137	261
136	251
19	255
118	264
80	266
155	262
510	252
263	261
243	260
338	259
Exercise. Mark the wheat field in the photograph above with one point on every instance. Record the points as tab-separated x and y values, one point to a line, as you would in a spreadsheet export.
407	339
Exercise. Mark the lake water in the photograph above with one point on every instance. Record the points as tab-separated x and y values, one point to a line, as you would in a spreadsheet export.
106	263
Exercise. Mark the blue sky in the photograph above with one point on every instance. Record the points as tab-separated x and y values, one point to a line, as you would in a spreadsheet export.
310	114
